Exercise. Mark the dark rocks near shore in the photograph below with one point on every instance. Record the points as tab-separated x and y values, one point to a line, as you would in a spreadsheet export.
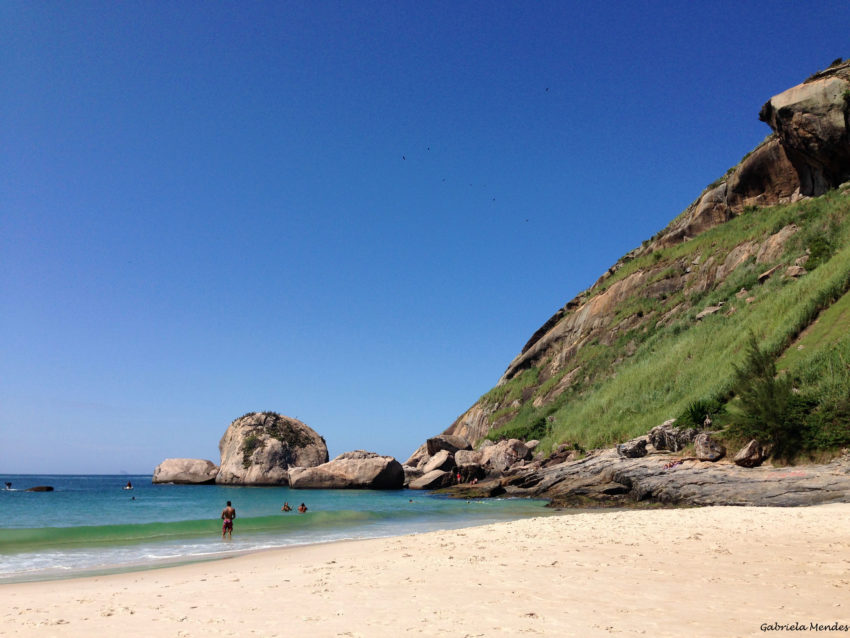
752	454
668	437
442	460
449	442
633	449
433	480
604	477
453	461
707	448
636	474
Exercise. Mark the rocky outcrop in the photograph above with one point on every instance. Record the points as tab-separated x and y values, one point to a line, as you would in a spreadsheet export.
707	448
605	477
807	155
418	458
752	454
260	447
467	457
442	460
433	480
667	437
448	442
504	454
358	470
811	121
473	424
632	449
185	472
649	289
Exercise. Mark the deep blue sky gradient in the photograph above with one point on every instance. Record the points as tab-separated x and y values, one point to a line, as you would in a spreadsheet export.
354	213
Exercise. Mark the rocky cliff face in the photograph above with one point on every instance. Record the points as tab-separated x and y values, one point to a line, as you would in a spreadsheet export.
807	154
260	447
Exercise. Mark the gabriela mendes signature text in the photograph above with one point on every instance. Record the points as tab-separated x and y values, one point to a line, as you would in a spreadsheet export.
801	626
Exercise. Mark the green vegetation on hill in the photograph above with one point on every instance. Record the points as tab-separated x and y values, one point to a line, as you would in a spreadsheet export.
660	360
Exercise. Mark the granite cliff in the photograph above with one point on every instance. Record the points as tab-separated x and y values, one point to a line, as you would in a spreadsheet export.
764	250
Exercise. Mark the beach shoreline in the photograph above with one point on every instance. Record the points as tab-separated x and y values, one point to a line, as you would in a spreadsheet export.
716	571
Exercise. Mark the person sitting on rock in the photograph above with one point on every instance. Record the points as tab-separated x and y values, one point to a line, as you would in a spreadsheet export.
302	508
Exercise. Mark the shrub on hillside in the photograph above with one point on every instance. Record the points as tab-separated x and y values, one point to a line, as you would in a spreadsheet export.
537	429
767	407
697	412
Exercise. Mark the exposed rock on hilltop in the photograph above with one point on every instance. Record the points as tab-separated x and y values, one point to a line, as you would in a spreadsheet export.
807	155
357	469
811	121
260	447
185	471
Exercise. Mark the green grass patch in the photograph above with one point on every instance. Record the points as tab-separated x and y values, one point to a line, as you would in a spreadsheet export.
614	397
512	390
831	327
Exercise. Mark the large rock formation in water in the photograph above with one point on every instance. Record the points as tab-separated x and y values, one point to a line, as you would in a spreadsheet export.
357	469
185	471
260	447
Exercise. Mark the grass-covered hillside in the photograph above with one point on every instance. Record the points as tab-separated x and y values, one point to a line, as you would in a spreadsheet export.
662	356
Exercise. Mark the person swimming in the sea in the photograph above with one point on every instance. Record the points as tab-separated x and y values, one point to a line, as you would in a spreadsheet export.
302	508
286	507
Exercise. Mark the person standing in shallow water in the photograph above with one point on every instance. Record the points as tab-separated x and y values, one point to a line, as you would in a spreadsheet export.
227	515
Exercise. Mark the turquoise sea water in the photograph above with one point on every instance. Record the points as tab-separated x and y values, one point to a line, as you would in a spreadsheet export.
91	524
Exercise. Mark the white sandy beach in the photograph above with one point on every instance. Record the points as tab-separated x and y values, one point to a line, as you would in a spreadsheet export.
718	571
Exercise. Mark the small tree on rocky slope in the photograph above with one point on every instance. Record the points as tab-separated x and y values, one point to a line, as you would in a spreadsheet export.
767	409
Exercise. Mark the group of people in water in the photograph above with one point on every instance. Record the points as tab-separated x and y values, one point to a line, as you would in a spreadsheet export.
286	508
228	514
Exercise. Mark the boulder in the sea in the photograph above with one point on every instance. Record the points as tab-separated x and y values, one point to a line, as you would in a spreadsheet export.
432	480
707	448
40	488
185	472
260	447
351	470
752	454
450	442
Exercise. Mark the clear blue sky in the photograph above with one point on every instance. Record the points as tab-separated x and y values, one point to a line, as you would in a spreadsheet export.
354	213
